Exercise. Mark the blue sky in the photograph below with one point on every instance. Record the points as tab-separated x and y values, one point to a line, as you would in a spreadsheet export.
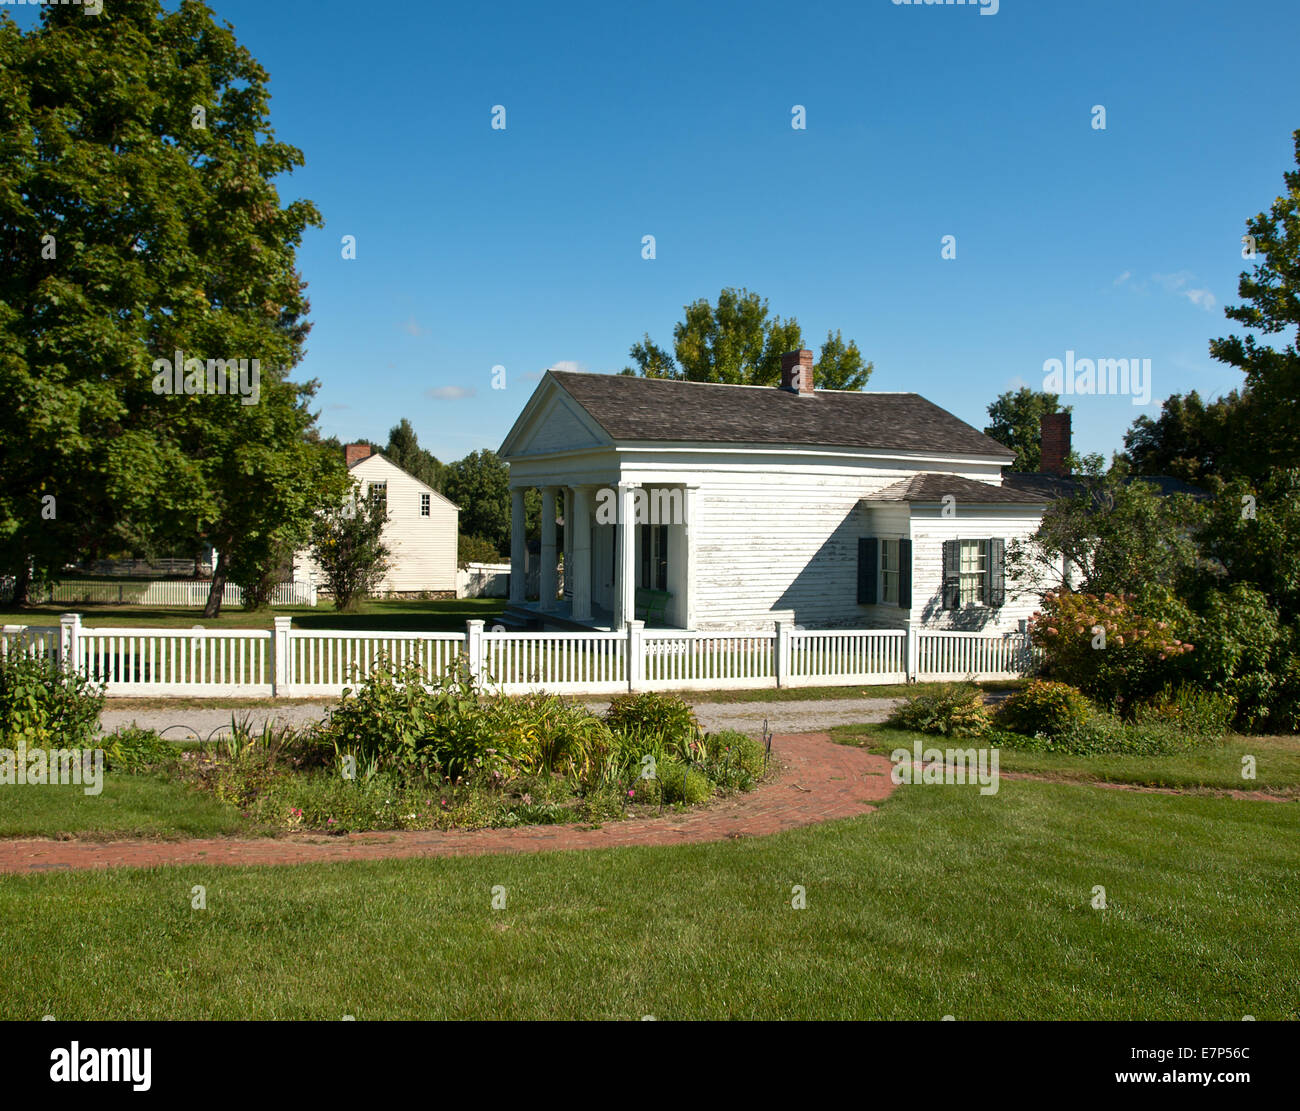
522	248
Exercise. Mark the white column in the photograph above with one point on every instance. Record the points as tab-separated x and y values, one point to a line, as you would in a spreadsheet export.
568	542
549	581
581	549
625	568
517	523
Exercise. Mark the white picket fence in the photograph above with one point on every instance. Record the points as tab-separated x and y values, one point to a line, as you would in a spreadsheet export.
288	662
183	593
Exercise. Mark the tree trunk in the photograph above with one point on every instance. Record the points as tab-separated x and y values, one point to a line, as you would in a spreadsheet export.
213	608
23	584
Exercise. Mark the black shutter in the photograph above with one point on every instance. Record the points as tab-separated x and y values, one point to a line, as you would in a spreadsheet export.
996	592
905	574
868	565
951	574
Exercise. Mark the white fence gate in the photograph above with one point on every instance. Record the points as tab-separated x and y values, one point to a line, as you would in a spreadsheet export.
288	662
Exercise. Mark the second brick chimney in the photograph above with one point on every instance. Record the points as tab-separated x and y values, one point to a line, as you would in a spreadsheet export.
354	453
797	373
1055	453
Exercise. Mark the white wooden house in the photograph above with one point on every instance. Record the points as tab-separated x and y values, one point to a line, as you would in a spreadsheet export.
732	507
421	532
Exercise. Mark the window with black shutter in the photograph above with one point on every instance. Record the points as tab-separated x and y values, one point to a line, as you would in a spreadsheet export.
905	574
995	594
868	566
951	574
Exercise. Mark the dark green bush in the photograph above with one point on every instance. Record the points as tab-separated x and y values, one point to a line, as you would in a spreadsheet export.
651	712
41	703
732	747
956	711
1200	712
680	783
1044	707
404	718
130	749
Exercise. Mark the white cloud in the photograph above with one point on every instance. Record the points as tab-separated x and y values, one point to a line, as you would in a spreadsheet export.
1181	284
566	364
450	393
1123	278
412	327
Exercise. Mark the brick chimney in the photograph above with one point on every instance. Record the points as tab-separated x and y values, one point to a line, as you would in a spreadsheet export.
354	453
797	372
1055	444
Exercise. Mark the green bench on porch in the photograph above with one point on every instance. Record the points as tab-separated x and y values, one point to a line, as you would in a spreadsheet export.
652	605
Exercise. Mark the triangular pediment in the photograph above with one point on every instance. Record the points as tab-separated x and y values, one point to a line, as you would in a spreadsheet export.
552	422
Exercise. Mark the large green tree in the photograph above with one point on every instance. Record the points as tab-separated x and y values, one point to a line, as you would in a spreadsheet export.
1271	290
404	449
1014	421
739	343
480	485
1191	439
138	219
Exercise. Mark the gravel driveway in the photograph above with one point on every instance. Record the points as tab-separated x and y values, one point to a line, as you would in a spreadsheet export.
748	717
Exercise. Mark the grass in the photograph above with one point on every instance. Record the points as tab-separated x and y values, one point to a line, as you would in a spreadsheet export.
944	902
128	806
449	615
1277	761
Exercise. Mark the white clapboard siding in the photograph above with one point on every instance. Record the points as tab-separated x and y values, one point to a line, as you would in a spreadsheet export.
783	544
929	531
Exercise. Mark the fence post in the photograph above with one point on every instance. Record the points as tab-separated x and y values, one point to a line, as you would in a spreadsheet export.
281	676
635	654
784	654
912	662
474	647
69	634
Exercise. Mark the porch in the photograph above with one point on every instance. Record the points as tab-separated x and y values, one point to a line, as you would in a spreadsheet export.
627	550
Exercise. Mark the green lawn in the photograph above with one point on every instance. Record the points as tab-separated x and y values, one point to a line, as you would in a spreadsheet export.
944	902
444	616
128	806
1277	761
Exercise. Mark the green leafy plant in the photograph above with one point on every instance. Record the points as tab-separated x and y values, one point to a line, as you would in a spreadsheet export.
956	711
1044	707
1188	708
131	749
42	702
684	784
653	712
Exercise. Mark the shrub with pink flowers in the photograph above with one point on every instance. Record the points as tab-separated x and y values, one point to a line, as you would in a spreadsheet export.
1115	648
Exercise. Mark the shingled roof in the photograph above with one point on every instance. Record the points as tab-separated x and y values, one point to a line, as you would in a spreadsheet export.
930	487
668	410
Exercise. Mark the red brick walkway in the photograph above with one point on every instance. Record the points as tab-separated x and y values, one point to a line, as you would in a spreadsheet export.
818	781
